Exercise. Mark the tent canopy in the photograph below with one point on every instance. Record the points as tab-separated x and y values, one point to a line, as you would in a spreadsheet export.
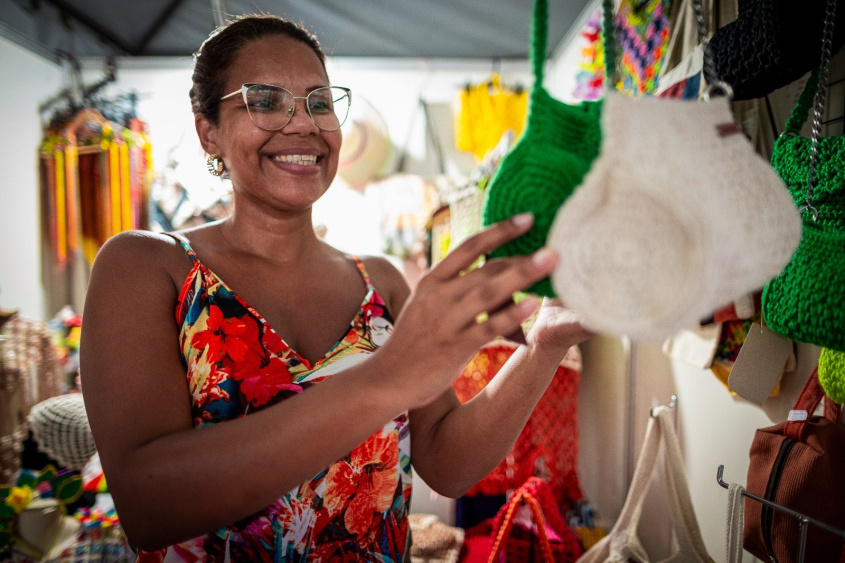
488	29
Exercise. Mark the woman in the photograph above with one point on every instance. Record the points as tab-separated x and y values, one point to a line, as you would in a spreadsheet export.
320	467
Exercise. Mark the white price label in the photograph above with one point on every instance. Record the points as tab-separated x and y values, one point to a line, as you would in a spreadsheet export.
797	416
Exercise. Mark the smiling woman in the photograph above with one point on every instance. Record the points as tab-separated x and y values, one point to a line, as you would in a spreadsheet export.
253	392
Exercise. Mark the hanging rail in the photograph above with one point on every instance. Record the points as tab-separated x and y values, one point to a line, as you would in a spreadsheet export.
802	519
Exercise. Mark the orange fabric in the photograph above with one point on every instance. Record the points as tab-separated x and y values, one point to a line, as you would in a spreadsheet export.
547	446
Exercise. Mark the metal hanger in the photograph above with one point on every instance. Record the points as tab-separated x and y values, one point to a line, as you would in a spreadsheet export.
803	520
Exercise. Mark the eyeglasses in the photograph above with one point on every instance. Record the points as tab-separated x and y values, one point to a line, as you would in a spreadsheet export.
272	107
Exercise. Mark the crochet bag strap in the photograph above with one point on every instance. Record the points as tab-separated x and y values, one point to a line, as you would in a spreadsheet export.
540	34
801	111
539	37
516	501
815	90
609	43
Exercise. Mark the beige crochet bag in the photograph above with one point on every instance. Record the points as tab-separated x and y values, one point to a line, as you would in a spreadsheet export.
622	544
677	217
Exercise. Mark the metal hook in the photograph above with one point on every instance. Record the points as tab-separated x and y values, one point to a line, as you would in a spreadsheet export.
803	520
673	402
808	206
718	88
719	472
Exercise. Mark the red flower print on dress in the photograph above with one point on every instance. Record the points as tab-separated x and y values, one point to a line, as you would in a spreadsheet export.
202	419
272	342
260	384
256	532
338	552
192	551
296	517
224	337
364	486
204	381
373	308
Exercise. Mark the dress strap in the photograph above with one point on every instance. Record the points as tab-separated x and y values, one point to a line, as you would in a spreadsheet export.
363	270
185	244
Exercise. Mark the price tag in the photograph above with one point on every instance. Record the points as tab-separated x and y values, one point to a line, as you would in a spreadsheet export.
797	416
759	365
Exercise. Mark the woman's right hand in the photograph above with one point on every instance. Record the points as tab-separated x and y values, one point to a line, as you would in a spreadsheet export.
439	325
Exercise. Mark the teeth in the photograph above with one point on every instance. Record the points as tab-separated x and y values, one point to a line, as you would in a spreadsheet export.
303	159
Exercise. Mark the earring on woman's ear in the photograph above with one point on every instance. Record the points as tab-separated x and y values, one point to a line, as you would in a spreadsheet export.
215	165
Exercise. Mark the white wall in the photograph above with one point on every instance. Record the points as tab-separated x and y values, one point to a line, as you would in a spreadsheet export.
27	80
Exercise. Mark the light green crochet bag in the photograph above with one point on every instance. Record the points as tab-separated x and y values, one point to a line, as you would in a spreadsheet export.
549	161
806	302
832	374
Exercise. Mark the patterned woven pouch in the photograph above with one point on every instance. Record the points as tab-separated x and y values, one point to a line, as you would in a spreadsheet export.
556	150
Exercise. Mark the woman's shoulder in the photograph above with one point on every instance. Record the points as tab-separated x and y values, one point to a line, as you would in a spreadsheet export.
380	269
388	281
142	254
143	247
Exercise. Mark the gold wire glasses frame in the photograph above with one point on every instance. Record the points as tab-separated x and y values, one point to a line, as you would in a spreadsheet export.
272	107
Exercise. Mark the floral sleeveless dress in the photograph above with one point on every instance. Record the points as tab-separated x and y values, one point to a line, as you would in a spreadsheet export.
354	510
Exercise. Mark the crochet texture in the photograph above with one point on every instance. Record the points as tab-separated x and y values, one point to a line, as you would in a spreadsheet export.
771	44
556	150
832	374
673	221
806	302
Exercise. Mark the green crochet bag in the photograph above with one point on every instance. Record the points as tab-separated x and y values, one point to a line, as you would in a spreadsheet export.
832	374
549	161
806	302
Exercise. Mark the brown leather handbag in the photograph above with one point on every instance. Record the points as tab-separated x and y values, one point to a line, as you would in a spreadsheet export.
799	465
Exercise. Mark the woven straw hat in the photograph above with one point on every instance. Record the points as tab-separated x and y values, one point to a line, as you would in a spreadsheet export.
366	148
60	428
677	217
43	530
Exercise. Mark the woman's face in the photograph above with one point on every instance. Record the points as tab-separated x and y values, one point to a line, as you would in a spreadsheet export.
262	164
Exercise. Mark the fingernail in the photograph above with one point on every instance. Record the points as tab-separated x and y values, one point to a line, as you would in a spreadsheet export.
544	257
529	304
523	219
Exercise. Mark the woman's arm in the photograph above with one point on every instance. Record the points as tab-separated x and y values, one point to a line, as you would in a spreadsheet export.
172	482
454	446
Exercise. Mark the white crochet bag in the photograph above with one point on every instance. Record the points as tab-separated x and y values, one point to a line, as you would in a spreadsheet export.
622	544
677	217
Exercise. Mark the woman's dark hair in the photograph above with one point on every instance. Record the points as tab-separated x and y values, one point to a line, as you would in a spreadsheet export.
212	61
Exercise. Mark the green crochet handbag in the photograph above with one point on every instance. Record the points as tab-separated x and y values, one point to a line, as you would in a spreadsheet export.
832	374
549	161
806	302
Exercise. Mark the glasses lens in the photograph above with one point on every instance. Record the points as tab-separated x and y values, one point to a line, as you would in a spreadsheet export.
269	106
329	107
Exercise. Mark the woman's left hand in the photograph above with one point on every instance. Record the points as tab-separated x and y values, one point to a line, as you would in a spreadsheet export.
556	329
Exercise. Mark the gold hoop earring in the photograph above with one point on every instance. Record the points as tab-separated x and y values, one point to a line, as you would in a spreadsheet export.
215	165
